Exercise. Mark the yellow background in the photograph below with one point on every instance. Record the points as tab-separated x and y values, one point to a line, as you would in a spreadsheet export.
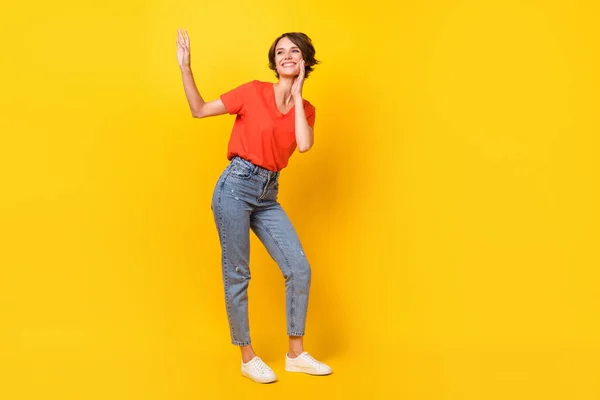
449	207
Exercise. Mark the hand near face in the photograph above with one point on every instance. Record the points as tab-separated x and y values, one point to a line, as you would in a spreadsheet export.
298	82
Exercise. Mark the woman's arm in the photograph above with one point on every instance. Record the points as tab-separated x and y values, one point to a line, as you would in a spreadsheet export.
198	106
305	134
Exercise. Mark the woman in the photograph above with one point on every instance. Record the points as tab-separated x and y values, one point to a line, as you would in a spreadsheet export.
272	121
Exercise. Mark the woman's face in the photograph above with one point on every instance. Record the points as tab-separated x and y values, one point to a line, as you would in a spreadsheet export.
287	58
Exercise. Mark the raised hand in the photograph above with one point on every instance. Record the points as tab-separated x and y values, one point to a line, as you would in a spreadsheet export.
298	82
183	48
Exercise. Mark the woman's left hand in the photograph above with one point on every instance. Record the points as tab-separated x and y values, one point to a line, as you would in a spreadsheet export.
299	82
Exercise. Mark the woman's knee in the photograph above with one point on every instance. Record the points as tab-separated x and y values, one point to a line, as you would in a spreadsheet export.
302	271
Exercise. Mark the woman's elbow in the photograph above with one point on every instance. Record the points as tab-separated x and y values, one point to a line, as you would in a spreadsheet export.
303	148
198	112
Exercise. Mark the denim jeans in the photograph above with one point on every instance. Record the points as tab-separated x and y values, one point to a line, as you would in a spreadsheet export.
245	197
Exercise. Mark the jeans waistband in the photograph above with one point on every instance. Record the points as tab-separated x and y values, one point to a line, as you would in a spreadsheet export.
258	170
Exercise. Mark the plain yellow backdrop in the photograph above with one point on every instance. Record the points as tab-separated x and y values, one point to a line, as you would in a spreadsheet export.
449	207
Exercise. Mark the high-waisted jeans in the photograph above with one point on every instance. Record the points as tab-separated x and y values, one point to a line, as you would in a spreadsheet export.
245	198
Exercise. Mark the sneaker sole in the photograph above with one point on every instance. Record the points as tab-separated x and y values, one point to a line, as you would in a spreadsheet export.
259	380
306	371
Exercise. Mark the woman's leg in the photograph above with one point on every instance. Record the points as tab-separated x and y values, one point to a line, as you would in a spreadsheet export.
275	230
277	233
233	200
232	218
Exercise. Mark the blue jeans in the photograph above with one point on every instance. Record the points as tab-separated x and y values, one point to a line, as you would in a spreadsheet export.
245	198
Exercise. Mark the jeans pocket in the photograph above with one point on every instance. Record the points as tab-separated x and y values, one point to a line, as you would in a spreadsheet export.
241	172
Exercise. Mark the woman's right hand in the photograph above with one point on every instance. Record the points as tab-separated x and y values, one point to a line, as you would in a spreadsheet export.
183	49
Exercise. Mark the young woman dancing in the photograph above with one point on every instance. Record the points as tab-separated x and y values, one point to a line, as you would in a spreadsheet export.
272	121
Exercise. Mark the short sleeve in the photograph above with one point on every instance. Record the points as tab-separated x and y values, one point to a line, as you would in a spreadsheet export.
310	115
235	99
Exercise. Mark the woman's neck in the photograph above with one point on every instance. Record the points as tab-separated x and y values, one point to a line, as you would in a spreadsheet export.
284	89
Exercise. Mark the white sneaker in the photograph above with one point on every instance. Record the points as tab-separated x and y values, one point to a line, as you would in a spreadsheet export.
307	364
258	371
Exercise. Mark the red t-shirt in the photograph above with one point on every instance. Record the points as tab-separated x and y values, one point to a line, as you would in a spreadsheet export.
261	133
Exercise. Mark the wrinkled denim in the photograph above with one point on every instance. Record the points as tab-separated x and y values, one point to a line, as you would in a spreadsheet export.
244	198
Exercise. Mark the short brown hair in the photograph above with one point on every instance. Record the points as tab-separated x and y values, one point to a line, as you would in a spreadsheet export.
304	44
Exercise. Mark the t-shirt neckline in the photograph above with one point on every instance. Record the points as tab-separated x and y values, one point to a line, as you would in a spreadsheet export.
274	102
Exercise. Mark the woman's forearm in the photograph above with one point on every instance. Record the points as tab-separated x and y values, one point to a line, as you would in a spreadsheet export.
304	132
192	94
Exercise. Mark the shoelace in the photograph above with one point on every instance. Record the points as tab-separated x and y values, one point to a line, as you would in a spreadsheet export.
311	360
260	366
